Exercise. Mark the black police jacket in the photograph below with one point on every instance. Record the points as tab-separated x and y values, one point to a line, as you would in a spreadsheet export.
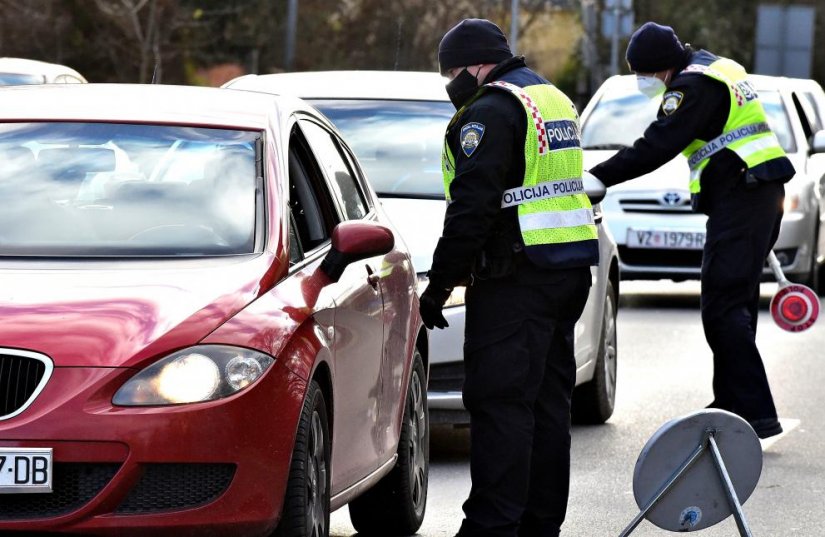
701	114
479	237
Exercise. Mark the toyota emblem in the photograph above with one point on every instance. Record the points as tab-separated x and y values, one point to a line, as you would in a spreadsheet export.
671	198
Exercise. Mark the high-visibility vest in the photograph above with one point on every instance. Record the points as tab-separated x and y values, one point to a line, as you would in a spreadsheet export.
554	214
746	131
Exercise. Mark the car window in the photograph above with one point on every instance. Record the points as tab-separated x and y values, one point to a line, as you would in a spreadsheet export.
817	116
398	143
338	172
806	115
105	189
14	79
311	207
778	118
620	117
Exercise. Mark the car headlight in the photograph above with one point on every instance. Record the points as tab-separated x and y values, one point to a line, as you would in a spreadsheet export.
456	298
193	375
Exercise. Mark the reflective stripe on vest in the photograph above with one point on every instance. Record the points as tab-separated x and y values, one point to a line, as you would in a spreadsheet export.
746	131
549	189
555	216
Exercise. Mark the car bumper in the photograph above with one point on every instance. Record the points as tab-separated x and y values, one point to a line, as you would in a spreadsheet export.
793	246
218	467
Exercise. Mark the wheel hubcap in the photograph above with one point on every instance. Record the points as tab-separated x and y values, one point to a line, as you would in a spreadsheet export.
418	433
316	479
609	350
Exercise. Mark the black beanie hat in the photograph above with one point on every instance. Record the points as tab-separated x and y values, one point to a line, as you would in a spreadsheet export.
472	42
653	48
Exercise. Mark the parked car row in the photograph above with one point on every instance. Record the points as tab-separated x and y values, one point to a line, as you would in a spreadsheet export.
659	236
210	299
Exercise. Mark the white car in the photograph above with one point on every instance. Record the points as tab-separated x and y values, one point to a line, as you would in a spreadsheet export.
395	122
20	71
658	234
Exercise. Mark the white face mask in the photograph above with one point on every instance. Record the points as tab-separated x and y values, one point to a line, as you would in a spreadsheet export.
650	86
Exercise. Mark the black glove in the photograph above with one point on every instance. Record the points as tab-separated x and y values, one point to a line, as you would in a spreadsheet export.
430	305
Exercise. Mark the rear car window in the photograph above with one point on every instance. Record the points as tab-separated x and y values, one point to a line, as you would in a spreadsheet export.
103	189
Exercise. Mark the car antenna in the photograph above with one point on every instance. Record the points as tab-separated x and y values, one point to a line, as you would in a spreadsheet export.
155	72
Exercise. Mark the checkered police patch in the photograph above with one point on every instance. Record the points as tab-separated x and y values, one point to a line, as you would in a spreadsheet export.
471	135
671	101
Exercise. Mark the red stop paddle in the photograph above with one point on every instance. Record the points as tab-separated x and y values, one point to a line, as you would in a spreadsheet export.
794	307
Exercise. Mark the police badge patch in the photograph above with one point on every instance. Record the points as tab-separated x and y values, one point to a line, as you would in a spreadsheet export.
671	101
471	135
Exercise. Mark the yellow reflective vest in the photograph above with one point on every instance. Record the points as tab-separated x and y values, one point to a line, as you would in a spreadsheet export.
746	131
554	214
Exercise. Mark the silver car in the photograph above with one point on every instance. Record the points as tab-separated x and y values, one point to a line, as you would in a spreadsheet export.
658	234
395	122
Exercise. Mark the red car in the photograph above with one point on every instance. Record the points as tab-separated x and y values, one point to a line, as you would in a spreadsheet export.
206	325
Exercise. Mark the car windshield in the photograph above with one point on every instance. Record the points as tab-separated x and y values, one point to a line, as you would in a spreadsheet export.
15	79
622	114
398	143
104	189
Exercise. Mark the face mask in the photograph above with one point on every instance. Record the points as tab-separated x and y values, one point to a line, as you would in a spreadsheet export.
461	88
650	86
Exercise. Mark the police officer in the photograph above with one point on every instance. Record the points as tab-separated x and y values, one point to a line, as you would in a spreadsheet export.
712	115
519	231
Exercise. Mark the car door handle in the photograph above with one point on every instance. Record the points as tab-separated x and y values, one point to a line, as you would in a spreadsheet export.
372	277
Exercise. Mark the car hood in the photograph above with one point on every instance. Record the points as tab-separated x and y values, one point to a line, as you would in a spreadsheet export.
120	315
671	176
419	221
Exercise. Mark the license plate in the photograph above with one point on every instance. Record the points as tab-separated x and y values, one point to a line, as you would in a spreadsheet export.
665	239
25	470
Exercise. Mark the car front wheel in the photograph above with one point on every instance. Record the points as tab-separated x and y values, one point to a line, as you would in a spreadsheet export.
593	402
395	506
306	502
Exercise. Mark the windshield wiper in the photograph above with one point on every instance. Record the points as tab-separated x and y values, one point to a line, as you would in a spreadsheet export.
605	146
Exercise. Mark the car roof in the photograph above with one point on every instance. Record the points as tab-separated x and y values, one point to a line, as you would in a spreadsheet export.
400	85
36	67
760	81
142	103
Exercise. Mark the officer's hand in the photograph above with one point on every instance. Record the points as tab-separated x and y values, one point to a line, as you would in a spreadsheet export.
430	305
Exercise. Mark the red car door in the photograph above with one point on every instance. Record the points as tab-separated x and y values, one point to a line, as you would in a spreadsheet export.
357	447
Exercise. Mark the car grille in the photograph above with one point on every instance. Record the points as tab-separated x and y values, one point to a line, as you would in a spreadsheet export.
73	486
446	377
169	487
20	376
656	206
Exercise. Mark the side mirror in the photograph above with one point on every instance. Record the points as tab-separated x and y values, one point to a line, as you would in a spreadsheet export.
594	188
355	240
818	142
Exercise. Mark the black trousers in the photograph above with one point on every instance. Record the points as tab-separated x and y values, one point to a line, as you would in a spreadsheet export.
741	230
520	372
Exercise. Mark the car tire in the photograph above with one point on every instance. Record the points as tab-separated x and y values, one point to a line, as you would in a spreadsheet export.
594	401
396	504
306	501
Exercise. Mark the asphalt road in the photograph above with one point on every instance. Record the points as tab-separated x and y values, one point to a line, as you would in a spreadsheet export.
665	372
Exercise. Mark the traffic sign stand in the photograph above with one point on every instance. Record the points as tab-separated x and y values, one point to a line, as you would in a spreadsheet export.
699	489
